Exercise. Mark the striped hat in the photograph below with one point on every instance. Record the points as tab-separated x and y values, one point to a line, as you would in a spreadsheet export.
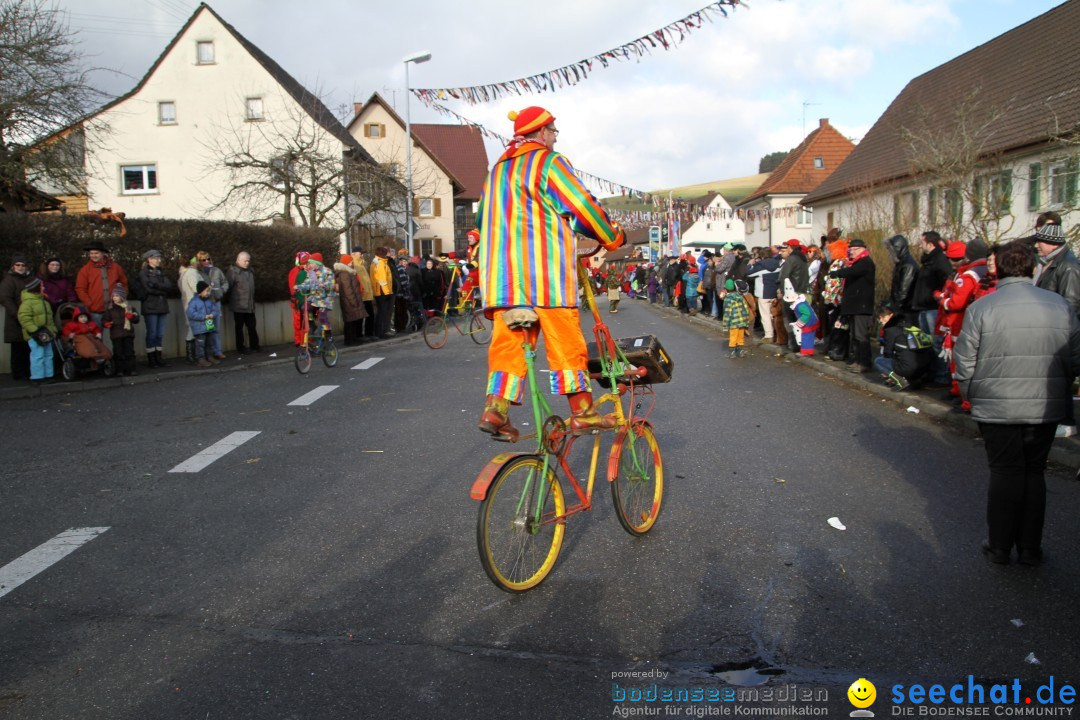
1050	234
530	120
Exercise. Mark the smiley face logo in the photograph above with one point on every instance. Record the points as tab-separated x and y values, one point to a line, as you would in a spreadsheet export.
862	693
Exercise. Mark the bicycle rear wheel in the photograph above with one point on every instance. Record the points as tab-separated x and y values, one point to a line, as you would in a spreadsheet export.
516	550
435	332
638	485
479	329
329	353
303	360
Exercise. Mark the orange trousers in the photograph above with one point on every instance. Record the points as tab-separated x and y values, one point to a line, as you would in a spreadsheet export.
564	345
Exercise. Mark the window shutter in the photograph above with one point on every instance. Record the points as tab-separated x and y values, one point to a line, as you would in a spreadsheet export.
1070	181
436	207
896	211
932	205
976	204
1005	201
914	208
1034	182
416	207
382	130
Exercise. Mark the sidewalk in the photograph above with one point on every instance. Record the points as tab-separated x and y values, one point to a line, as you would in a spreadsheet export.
1065	451
11	390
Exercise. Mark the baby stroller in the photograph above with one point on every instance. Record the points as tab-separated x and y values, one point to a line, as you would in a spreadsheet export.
73	364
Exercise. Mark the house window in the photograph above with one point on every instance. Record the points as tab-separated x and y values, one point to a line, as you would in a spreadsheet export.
139	179
281	170
254	108
205	52
954	206
374	130
932	206
819	163
166	113
803	217
427	247
906	210
1034	186
994	194
1061	182
425	207
708	226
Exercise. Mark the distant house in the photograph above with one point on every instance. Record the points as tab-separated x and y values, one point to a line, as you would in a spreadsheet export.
169	147
715	223
449	167
776	211
978	146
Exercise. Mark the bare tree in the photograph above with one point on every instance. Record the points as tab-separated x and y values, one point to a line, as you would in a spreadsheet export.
43	88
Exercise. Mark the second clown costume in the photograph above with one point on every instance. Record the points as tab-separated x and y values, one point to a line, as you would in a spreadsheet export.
530	209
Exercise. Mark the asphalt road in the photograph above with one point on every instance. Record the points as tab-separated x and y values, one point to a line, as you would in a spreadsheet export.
327	567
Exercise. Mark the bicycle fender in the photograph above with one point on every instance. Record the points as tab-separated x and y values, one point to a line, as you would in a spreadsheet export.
487	474
613	456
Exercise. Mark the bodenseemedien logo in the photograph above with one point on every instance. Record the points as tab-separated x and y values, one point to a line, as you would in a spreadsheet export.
862	694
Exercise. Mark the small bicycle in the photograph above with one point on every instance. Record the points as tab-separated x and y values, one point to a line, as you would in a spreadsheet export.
321	344
523	511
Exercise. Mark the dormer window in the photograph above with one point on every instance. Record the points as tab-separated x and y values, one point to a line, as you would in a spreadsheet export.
205	52
819	163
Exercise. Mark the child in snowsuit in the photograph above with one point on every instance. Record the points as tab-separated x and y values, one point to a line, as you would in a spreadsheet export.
84	336
120	320
737	319
204	316
806	320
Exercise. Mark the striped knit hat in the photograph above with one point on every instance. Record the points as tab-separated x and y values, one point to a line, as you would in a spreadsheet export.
530	120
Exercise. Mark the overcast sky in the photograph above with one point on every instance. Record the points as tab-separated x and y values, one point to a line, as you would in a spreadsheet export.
709	110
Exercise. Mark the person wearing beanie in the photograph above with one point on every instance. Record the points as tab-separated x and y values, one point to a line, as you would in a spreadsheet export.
241	280
318	291
736	317
11	289
961	289
531	207
352	301
857	302
120	320
35	314
155	289
794	267
1058	271
204	318
297	275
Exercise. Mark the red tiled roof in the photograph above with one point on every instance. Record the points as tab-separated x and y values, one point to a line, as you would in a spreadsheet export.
461	149
1029	72
797	174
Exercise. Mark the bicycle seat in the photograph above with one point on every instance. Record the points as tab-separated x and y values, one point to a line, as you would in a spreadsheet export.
522	317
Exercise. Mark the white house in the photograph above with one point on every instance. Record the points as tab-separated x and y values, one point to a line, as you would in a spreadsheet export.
715	224
212	98
978	146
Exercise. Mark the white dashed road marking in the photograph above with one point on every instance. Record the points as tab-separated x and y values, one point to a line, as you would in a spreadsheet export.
18	571
368	364
308	398
222	447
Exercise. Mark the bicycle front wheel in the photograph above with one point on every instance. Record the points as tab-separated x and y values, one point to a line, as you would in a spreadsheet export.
518	546
479	329
329	353
638	485
303	360
435	332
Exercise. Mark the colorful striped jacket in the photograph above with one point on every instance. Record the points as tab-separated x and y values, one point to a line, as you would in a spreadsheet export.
526	245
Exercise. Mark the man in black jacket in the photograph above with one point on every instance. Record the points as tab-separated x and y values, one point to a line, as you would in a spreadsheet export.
857	302
905	270
795	269
1059	272
670	279
933	274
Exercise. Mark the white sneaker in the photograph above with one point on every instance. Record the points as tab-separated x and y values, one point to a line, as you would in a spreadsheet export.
1065	431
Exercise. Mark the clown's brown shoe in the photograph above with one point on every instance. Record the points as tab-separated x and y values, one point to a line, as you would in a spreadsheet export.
589	421
495	420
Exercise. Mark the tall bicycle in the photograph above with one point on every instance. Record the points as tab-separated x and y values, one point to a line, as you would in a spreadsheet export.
478	327
523	506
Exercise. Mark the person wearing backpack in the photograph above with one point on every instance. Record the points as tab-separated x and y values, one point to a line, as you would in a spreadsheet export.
153	288
907	352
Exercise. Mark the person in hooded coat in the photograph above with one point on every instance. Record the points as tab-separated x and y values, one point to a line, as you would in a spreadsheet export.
905	271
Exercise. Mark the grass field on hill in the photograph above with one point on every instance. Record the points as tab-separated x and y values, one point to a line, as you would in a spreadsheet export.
733	190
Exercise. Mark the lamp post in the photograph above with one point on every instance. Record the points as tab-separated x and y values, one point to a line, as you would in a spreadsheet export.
420	57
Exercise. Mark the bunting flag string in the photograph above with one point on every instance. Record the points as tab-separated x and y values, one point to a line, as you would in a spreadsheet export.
668	37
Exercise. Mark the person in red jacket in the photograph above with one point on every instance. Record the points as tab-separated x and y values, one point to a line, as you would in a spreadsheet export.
297	276
961	289
96	280
85	338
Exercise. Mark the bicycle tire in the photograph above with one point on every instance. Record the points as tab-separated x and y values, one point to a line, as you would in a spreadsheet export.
516	552
302	360
637	488
435	332
329	353
479	331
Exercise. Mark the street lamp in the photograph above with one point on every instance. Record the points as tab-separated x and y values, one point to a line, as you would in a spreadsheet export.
420	57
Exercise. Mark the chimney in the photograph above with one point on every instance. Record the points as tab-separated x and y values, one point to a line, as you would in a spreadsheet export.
357	107
821	123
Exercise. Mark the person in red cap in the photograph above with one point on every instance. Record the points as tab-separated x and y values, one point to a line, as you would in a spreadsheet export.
530	208
969	262
794	267
297	276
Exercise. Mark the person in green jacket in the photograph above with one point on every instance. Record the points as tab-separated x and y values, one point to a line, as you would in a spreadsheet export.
34	313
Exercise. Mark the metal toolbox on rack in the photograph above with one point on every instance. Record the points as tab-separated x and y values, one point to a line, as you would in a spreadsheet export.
642	351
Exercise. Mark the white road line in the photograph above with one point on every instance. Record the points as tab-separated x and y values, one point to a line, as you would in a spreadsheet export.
367	364
18	571
308	398
222	447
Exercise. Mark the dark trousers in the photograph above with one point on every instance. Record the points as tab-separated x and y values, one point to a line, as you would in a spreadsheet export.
240	321
384	313
354	329
124	354
368	323
789	317
860	339
20	360
1016	497
706	302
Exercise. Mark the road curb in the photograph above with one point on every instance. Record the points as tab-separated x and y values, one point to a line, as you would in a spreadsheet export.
1065	451
23	392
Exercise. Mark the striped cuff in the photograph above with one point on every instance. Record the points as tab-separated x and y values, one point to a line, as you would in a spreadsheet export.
505	385
564	382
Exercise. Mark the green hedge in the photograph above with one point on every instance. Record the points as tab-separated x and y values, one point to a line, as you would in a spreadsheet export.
273	248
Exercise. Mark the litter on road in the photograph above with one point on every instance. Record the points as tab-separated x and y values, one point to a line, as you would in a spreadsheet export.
835	522
1031	659
914	410
1017	622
